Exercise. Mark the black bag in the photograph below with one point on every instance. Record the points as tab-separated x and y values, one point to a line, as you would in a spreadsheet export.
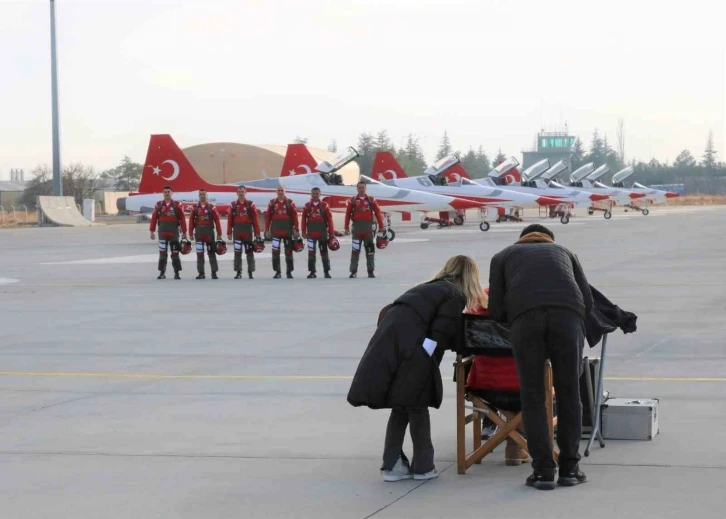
483	336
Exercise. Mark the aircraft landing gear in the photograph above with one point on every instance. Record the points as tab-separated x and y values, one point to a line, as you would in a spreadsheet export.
484	226
646	212
608	215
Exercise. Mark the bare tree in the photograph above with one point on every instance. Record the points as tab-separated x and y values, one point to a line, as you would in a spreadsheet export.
80	182
40	185
621	140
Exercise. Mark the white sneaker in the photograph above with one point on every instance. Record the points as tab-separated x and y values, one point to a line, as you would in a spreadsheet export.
429	475
399	472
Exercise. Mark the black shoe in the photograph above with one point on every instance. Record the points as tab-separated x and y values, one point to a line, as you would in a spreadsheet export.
541	480
214	275
327	275
572	478
176	275
353	275
488	429
161	275
312	275
239	275
277	275
201	276
289	275
371	274
249	274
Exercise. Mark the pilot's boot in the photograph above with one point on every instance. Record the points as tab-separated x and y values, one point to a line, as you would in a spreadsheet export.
250	264
354	257
238	264
162	266
200	266
326	267
276	264
289	265
371	263
176	263
311	266
213	264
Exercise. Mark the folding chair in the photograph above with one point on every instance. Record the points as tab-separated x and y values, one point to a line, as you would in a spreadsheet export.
480	409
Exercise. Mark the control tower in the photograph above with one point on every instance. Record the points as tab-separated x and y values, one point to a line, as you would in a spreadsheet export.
550	145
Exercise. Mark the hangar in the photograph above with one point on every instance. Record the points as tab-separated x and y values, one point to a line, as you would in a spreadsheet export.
230	162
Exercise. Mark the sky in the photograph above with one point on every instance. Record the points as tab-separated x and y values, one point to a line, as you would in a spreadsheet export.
489	72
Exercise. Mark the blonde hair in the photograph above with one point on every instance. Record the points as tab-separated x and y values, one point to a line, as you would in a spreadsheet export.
464	272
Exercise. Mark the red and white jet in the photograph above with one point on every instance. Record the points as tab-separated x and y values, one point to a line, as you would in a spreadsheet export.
387	169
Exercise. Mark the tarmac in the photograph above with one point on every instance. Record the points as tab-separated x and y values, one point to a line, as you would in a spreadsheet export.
126	397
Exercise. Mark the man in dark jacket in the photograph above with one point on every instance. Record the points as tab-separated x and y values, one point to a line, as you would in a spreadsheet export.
540	290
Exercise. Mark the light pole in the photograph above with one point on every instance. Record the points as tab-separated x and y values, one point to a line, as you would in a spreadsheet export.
57	185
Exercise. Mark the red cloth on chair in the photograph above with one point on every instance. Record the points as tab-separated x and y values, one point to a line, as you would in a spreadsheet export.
497	373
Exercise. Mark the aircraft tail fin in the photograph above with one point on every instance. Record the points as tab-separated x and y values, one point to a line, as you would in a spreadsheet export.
455	173
166	165
513	176
298	161
386	167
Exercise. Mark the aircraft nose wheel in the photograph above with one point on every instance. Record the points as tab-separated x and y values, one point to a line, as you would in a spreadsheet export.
608	215
484	226
391	234
565	219
645	212
424	225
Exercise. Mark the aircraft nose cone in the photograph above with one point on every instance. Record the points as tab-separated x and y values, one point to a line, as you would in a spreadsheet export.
636	195
544	200
597	198
672	195
460	204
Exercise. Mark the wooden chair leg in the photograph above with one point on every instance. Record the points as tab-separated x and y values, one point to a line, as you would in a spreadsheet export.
460	417
549	404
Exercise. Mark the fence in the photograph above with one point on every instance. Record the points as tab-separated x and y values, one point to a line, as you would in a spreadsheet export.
11	215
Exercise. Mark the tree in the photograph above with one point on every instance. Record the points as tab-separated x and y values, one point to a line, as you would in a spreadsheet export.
365	149
621	140
445	148
482	164
709	156
333	146
126	175
684	160
501	157
300	140
578	155
40	185
411	157
382	142
80	182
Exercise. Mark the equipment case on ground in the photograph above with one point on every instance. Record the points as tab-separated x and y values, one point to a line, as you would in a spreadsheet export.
630	418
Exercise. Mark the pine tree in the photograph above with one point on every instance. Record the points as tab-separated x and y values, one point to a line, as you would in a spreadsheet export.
684	161
411	157
367	154
333	146
578	155
445	148
501	157
300	140
709	155
382	142
483	167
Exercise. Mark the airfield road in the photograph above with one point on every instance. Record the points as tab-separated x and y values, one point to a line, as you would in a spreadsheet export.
126	397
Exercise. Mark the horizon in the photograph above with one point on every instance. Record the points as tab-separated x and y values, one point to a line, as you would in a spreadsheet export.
335	71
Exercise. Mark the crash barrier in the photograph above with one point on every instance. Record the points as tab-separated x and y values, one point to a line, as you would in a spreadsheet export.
60	210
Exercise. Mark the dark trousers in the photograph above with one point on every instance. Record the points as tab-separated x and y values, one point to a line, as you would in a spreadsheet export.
559	335
417	418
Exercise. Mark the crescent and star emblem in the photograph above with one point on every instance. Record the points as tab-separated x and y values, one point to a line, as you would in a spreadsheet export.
174	175
305	167
385	175
511	179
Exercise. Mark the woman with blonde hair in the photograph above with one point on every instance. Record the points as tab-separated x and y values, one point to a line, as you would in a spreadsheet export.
400	367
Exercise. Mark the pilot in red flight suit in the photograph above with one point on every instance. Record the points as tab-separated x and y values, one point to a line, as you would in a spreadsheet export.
169	217
281	220
241	223
316	222
203	220
361	210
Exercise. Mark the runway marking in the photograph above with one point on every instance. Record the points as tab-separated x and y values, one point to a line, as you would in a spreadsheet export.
290	377
8	281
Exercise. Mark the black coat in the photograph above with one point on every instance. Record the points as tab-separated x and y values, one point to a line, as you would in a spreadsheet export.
395	370
606	317
526	276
